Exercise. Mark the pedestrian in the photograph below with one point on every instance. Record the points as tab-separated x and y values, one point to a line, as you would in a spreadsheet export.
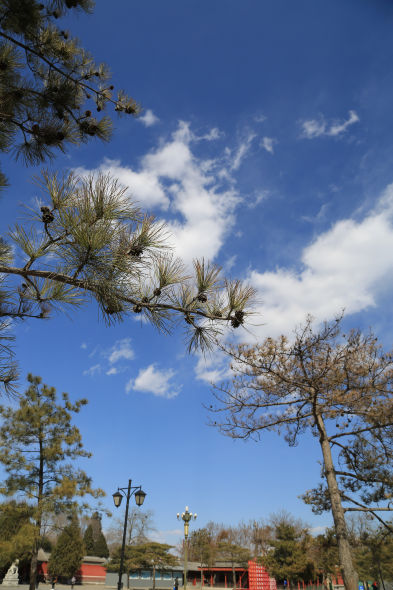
73	580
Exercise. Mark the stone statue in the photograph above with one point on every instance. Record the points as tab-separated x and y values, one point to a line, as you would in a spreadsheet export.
12	576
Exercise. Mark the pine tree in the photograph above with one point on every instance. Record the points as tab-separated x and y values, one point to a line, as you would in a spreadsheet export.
337	386
288	559
43	441
88	241
373	555
100	546
16	532
52	94
88	541
67	556
51	91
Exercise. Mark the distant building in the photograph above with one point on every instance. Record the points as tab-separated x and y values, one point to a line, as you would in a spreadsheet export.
219	576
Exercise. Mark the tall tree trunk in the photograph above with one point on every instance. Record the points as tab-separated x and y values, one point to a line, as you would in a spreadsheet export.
38	522
234	576
34	566
348	571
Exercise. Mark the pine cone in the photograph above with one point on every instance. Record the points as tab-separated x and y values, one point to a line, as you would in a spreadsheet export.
47	215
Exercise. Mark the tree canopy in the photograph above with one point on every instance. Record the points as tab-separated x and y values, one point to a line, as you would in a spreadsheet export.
16	531
94	539
38	463
339	387
288	557
66	558
52	93
91	242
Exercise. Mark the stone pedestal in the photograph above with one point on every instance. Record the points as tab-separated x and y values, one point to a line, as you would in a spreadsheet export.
12	576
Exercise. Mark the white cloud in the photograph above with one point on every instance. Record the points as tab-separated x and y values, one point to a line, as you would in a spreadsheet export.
84	345
144	186
199	193
94	370
121	350
338	128
241	151
165	536
149	118
212	135
259	197
313	128
155	381
344	268
112	371
317	530
212	368
267	144
319	127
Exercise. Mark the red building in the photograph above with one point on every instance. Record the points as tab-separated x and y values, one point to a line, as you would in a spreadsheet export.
253	577
92	571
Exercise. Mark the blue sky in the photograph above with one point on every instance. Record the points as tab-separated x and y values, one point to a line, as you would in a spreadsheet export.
266	144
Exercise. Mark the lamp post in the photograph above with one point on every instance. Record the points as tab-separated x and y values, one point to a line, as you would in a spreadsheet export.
117	498
186	516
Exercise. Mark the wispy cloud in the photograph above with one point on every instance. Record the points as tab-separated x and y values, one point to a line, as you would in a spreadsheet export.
116	355
149	118
165	536
93	370
344	268
155	381
121	350
267	144
241	151
313	128
212	368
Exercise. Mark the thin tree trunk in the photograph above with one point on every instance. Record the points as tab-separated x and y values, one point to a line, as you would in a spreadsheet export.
34	566
348	571
38	523
380	575
234	577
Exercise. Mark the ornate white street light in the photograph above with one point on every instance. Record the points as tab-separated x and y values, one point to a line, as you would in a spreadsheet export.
186	516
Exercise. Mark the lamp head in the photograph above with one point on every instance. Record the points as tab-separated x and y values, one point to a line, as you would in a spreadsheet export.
117	498
140	496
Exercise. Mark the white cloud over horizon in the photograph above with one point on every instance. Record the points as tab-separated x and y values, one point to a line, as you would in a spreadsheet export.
155	381
313	128
345	267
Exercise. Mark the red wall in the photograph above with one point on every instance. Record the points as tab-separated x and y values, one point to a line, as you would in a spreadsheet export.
89	572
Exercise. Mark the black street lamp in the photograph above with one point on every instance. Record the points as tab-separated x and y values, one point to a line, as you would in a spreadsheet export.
117	498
